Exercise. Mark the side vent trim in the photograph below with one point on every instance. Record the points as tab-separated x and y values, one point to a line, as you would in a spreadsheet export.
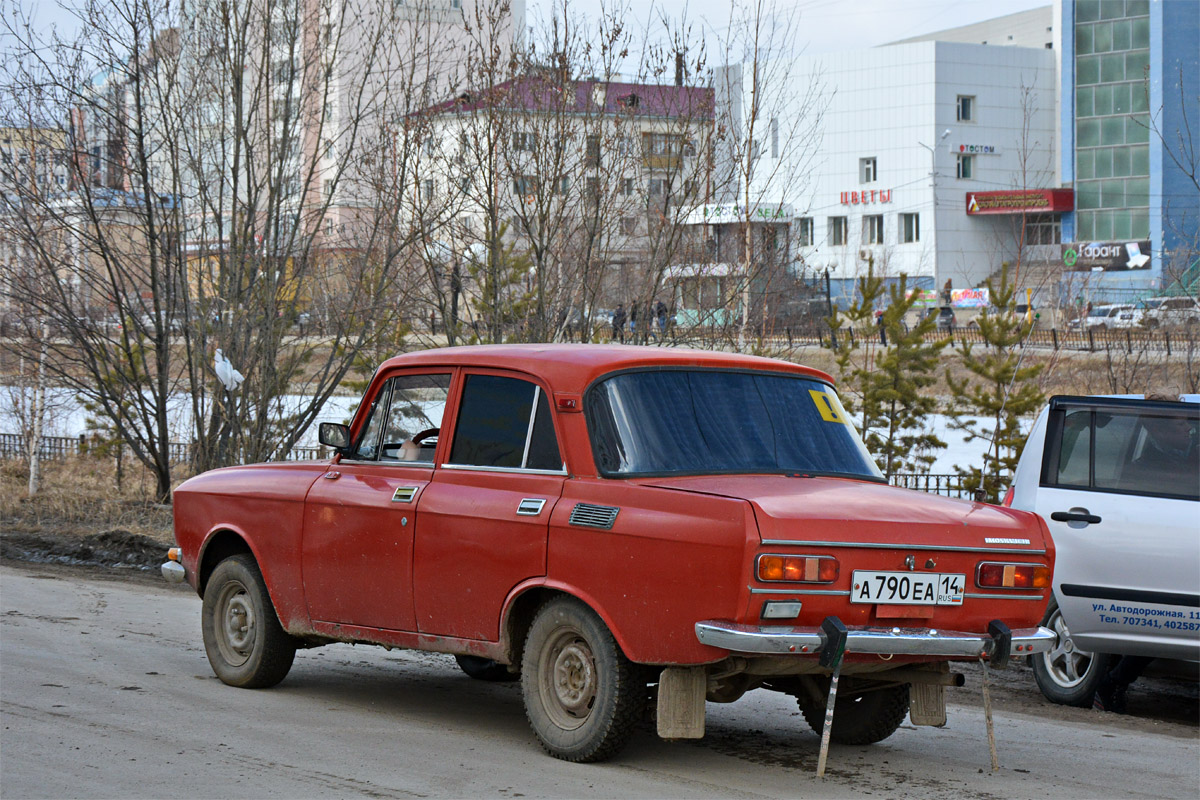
587	515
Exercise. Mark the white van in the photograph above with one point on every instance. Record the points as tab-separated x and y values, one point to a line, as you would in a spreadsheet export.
1118	482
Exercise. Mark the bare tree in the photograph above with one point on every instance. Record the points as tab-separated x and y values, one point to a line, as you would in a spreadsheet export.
235	168
769	129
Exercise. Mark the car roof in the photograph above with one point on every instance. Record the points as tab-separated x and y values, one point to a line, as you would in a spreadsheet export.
572	367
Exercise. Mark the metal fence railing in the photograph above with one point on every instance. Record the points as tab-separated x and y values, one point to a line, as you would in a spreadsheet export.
945	484
1129	340
52	448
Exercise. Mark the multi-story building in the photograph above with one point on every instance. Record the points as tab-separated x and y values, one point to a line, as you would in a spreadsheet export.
1130	88
33	159
589	180
909	134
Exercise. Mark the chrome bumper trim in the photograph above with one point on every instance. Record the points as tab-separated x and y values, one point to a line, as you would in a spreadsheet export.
775	640
172	572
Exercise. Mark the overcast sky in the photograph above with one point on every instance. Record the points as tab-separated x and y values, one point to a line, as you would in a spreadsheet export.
823	25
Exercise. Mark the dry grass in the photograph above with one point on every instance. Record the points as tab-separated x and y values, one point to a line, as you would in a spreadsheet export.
79	496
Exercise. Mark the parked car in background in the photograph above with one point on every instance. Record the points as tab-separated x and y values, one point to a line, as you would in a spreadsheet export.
612	524
1109	316
946	320
1170	311
1118	482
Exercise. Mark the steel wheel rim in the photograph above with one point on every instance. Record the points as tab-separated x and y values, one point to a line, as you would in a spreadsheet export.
1067	665
567	679
236	624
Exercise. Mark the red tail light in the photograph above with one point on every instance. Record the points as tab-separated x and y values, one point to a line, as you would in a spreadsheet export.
1008	497
798	569
995	575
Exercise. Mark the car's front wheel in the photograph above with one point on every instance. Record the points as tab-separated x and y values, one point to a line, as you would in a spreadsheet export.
582	695
865	718
246	645
1067	675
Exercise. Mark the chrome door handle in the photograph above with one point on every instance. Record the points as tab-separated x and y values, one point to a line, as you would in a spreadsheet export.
530	506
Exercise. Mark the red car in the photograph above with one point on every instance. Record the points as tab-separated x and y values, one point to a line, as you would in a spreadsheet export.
614	526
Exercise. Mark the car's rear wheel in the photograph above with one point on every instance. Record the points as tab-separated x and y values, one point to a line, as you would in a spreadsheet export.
246	645
485	669
582	695
862	718
1067	675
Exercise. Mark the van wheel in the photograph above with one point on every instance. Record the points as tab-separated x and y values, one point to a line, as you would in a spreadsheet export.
246	645
582	695
1067	675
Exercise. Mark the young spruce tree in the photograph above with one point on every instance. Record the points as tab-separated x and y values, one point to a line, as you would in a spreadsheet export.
894	406
999	391
857	343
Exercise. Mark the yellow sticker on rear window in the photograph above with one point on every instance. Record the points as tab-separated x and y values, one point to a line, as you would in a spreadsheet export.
828	406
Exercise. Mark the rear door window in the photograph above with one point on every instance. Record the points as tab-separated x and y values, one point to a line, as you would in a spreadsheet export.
505	423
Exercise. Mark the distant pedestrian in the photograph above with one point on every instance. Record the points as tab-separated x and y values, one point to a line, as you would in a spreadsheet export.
660	311
618	323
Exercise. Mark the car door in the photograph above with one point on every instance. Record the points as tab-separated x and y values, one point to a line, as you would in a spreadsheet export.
360	519
485	515
1124	511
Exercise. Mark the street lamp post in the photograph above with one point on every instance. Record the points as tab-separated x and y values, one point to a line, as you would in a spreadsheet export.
933	193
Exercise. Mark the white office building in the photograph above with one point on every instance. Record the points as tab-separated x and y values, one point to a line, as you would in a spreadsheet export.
930	154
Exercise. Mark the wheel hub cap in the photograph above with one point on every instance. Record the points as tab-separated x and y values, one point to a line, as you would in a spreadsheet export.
574	680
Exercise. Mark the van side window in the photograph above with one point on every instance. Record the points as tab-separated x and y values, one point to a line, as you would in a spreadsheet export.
1132	451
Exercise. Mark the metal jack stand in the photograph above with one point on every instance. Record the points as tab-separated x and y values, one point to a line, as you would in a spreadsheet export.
1001	649
832	651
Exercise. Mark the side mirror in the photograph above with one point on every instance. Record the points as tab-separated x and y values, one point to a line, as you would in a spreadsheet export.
334	434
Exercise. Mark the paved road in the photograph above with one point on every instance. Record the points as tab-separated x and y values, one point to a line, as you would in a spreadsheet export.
105	692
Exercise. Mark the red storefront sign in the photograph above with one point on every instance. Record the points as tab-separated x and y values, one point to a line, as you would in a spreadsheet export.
866	197
1021	201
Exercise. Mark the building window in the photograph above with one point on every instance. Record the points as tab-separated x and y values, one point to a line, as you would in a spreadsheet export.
428	186
965	167
658	187
524	140
873	229
628	225
328	189
966	108
774	137
524	185
868	171
804	231
627	186
592	154
1043	229
910	228
838	230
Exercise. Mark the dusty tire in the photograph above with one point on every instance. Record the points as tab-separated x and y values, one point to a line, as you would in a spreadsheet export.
582	696
246	645
1066	675
485	669
862	718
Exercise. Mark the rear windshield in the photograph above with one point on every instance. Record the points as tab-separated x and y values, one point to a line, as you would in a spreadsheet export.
685	421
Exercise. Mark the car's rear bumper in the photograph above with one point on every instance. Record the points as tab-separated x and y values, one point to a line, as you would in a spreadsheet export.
785	640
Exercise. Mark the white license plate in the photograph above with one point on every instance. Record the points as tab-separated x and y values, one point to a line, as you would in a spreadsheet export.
908	588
